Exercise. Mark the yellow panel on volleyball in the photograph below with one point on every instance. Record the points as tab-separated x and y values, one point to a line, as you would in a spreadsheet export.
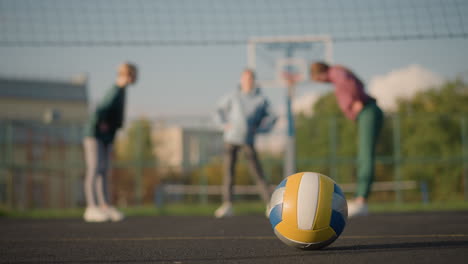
305	236
323	214
290	200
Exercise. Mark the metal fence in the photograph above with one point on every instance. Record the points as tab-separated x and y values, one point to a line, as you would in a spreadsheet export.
431	149
41	166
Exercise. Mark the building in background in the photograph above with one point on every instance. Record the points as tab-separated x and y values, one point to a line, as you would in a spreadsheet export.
183	144
43	100
41	123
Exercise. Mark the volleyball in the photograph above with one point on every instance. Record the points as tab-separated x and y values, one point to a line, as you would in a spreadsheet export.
308	211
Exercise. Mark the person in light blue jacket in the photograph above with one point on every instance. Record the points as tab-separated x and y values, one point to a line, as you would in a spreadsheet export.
243	114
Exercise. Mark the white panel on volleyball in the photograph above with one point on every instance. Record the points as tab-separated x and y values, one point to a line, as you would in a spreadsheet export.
277	197
307	200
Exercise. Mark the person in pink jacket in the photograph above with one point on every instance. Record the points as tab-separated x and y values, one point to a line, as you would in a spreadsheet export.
358	106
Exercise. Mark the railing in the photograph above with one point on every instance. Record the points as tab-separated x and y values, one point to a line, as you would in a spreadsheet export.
166	191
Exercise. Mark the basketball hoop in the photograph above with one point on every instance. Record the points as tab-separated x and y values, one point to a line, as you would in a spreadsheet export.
291	79
271	57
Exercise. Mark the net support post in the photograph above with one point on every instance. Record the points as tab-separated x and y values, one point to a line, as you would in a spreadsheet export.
397	156
464	139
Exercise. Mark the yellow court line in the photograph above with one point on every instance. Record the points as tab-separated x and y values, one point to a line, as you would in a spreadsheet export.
242	238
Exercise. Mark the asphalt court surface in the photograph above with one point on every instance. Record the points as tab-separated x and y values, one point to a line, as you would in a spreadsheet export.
436	237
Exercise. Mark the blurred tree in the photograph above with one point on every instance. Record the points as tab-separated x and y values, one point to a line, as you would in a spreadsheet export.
431	132
135	157
213	171
430	129
137	143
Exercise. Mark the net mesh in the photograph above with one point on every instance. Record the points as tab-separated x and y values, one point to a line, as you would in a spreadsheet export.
224	22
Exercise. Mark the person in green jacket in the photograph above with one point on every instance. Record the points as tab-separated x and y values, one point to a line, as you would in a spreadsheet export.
100	131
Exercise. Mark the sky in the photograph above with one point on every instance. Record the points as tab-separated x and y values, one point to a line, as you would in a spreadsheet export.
189	80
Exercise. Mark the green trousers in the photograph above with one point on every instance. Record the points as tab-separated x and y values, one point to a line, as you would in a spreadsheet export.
370	121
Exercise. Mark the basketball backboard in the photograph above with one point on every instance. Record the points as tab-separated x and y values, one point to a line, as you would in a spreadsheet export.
272	57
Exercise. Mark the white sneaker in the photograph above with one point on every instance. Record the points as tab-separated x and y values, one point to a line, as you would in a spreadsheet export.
113	214
225	210
357	209
94	214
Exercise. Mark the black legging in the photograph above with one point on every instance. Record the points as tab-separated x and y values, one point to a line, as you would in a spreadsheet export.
230	159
